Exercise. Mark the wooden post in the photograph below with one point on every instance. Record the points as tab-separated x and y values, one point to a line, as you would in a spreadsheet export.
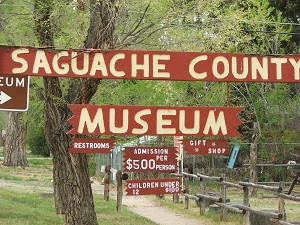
202	191
223	210
187	190
281	204
253	159
119	191
246	217
106	182
175	198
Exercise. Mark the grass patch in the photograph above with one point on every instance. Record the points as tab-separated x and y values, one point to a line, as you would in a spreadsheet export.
32	173
210	217
21	208
40	162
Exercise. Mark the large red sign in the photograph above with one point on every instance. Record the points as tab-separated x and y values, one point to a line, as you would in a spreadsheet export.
154	120
206	147
149	159
153	187
148	65
91	145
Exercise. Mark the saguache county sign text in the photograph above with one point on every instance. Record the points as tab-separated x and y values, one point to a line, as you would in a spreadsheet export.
154	120
148	65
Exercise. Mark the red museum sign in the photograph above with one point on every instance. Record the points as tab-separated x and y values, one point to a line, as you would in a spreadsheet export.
154	120
153	187
148	65
149	159
91	145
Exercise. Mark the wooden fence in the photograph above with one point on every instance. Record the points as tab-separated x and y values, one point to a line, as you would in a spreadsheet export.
244	209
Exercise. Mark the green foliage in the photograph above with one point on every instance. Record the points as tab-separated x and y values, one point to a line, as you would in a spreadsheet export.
37	142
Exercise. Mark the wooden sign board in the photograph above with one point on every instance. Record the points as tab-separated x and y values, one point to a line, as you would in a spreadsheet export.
14	93
206	147
153	187
149	159
233	155
154	120
148	65
91	145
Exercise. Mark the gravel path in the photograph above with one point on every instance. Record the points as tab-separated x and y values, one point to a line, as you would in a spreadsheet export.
150	209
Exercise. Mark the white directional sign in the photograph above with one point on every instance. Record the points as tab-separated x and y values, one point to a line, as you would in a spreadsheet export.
14	92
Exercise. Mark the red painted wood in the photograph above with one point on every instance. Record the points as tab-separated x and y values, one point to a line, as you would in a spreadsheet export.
149	159
91	145
154	120
148	65
153	187
206	147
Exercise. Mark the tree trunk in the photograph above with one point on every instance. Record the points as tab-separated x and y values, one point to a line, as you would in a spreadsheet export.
72	188
15	141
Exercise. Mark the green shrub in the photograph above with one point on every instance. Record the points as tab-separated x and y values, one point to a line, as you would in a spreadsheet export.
37	142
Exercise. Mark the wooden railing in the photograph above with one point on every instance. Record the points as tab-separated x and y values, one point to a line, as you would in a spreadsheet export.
244	209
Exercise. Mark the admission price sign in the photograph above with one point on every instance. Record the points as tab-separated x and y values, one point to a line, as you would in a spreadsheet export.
149	159
91	145
148	65
153	187
206	147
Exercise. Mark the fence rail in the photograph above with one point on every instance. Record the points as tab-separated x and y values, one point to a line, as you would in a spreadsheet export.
244	208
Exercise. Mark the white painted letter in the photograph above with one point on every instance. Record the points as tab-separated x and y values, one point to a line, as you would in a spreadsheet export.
160	122
278	62
112	121
65	66
112	65
98	64
16	58
214	124
296	66
244	68
193	130
41	61
192	67
139	120
135	66
157	66
215	71
74	63
91	125
257	67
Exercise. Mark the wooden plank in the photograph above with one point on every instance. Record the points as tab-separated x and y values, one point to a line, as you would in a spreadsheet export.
156	65
277	189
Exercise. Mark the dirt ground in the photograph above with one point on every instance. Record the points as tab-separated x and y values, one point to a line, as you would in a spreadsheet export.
140	205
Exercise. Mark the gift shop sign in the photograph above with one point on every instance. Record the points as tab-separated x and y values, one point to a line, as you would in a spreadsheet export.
149	159
153	187
148	65
206	147
91	145
154	120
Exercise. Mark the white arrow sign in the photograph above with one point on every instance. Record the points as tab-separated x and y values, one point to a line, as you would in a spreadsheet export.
4	97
